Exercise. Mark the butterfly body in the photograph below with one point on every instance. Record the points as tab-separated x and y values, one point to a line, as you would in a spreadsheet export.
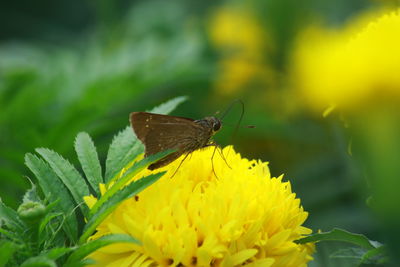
161	132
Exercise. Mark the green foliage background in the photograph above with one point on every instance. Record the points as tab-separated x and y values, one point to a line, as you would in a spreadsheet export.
85	65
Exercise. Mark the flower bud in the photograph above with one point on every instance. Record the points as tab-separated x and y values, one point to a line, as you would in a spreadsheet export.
31	211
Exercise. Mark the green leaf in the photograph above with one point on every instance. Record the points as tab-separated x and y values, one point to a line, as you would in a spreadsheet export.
54	190
52	205
341	235
168	106
39	261
124	148
81	252
56	253
349	253
85	262
89	160
45	222
109	206
31	195
7	250
68	175
375	256
10	217
9	234
129	174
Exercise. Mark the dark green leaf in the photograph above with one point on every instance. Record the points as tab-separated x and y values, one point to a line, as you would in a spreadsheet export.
129	174
89	160
7	250
10	217
68	175
168	106
341	235
54	190
109	206
124	148
86	249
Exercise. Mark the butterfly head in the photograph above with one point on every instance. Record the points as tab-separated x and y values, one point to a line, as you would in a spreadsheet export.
214	123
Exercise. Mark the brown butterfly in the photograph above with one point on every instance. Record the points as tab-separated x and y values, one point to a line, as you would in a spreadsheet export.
161	132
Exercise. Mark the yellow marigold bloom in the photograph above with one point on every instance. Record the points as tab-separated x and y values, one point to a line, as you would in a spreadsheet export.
238	30
243	217
240	37
357	66
237	73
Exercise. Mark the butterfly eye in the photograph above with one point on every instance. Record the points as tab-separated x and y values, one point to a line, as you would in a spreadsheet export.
216	126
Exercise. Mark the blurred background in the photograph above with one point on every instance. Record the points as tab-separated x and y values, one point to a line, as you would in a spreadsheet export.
68	66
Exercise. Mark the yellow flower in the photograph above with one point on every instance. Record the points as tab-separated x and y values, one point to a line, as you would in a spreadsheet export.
237	29
355	67
236	73
242	41
241	217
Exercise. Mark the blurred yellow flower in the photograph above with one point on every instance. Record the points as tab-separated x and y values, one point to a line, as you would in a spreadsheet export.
242	217
242	41
238	30
355	67
236	73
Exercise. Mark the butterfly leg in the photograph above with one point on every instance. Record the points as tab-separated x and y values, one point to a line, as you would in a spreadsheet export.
220	151
212	161
180	164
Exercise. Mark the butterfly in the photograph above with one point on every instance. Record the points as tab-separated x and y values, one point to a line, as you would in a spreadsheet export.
161	132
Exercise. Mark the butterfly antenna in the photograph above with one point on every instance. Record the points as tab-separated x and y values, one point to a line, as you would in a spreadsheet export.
229	108
239	121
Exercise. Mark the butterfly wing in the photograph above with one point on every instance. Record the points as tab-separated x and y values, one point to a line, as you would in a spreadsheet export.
161	132
144	123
